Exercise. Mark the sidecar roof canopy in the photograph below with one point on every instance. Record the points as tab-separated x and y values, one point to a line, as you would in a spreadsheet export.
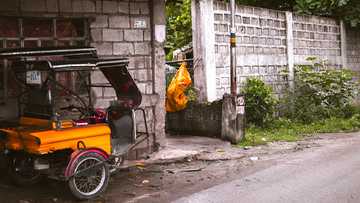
83	64
48	51
58	59
75	59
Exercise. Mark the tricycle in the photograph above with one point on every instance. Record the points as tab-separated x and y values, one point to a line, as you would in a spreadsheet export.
59	134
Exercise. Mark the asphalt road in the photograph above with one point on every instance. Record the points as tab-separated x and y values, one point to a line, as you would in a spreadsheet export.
327	174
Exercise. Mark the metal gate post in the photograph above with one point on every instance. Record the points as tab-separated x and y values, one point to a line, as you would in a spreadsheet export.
233	51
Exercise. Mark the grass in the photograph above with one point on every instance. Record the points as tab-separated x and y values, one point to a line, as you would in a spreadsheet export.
285	130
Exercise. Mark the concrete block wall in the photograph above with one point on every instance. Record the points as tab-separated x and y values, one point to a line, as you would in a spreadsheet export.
261	45
123	29
269	44
317	36
353	49
117	28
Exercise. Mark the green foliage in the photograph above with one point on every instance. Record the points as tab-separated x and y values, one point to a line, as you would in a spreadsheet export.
273	4
347	10
259	101
351	110
286	130
319	7
178	25
350	13
320	103
320	92
343	9
191	94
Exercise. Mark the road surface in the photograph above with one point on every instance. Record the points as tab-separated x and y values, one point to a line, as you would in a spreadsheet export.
322	168
328	174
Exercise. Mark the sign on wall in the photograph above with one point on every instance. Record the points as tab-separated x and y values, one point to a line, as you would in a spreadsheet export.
33	77
140	24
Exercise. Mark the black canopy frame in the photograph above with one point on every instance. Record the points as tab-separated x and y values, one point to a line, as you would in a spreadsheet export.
73	59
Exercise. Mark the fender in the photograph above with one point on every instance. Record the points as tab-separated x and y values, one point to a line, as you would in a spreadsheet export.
77	154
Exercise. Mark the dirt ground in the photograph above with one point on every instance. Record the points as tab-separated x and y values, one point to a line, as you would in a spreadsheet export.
167	182
155	183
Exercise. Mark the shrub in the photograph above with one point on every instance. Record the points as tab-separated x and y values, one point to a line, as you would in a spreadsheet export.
259	102
320	93
355	120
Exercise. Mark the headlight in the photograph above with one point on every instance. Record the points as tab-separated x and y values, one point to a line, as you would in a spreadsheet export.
37	141
33	139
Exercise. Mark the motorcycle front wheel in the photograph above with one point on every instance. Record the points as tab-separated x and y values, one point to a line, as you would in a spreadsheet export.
21	171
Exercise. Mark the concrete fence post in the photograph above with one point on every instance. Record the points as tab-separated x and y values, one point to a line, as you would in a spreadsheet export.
204	49
290	48
233	118
343	44
158	24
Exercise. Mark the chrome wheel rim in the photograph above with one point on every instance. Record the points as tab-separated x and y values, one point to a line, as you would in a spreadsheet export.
89	184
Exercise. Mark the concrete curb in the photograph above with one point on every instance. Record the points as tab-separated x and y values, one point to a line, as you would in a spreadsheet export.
187	156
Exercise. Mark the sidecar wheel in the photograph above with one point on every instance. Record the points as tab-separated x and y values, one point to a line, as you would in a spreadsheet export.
90	183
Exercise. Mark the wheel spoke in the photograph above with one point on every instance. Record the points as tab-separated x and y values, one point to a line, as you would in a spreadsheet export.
91	177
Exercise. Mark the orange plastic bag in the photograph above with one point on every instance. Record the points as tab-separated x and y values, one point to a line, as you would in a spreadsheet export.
176	100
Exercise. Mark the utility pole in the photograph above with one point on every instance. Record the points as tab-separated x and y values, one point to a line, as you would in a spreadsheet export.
233	85
233	116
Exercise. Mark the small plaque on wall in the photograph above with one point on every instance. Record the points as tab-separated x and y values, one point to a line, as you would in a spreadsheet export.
140	24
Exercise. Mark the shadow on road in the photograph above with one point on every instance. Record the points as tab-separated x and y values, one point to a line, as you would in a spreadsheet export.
45	191
52	191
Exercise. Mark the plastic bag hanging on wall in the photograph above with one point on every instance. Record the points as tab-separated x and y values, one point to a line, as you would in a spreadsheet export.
176	100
